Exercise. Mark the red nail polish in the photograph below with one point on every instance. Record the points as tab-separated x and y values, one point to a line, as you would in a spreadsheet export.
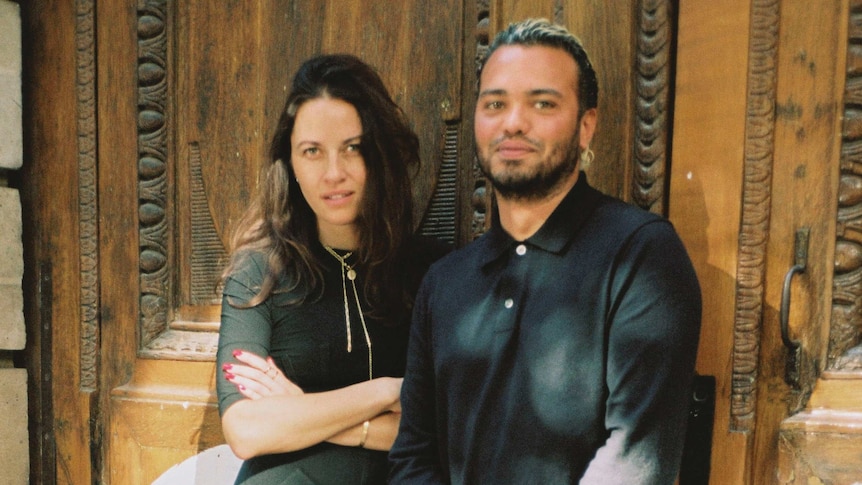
237	353
229	376
227	366
241	387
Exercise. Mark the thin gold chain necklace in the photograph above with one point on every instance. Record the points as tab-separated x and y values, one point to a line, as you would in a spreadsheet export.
348	273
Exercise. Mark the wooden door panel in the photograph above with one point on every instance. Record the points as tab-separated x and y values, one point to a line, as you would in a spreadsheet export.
221	93
706	212
212	80
237	60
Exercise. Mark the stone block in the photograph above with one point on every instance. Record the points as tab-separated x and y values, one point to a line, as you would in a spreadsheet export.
12	333
11	140
14	440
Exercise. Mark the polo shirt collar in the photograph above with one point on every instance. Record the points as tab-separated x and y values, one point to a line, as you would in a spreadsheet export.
562	225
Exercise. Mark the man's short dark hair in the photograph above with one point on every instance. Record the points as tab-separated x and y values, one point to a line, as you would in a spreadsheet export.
541	32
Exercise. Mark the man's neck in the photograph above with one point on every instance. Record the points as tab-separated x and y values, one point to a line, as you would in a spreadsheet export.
523	218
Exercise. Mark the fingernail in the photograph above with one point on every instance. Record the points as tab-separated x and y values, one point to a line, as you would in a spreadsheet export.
229	376
241	387
227	366
237	353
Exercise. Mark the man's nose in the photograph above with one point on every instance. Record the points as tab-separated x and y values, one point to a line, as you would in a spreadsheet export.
516	120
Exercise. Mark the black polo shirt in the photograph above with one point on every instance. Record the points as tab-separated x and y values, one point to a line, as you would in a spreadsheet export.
562	357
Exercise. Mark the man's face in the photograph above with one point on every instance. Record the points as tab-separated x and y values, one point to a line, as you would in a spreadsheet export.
528	134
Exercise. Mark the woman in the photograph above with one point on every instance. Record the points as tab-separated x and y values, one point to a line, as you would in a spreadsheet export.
320	285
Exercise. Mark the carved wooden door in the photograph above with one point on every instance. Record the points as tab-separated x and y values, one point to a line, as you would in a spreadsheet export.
173	104
765	192
208	83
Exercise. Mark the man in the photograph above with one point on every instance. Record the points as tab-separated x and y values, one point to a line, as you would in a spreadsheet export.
560	346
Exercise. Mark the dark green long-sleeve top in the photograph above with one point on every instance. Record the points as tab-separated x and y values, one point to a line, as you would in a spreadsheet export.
566	358
309	344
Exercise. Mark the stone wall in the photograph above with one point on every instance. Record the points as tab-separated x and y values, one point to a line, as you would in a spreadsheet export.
14	449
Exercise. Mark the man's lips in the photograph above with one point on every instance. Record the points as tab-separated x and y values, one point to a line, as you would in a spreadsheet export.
513	148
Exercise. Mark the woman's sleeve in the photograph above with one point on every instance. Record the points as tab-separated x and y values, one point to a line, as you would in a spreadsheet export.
246	329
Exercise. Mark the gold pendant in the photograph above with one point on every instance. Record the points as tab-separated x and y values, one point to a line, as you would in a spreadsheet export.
351	274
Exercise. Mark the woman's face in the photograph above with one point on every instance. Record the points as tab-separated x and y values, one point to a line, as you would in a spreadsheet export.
328	164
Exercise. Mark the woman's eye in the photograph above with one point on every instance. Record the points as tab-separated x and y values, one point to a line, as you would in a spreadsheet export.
311	151
354	148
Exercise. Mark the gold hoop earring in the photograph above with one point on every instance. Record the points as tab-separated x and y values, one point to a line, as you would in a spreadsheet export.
587	156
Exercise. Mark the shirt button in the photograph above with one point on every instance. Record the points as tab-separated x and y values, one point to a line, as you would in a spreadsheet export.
509	303
521	250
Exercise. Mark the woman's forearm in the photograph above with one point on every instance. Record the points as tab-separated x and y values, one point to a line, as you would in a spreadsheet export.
380	434
278	424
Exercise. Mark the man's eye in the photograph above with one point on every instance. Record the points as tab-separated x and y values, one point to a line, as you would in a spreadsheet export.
494	105
545	104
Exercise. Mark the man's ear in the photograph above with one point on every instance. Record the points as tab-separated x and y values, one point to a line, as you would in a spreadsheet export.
588	127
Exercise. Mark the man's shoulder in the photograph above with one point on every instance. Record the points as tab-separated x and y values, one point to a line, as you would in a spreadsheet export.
460	259
612	212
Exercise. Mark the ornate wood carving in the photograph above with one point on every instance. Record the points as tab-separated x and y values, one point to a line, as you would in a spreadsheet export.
153	168
208	252
439	220
756	199
87	193
558	11
846	326
481	199
652	104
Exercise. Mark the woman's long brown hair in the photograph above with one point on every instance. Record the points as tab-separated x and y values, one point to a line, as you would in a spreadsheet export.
279	222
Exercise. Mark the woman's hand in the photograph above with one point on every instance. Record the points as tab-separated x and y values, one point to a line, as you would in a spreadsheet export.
257	377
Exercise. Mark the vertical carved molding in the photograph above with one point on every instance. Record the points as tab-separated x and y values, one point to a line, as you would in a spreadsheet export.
846	325
756	199
152	167
653	71
481	198
87	192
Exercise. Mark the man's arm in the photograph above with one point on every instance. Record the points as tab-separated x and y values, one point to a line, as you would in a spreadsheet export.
415	456
653	337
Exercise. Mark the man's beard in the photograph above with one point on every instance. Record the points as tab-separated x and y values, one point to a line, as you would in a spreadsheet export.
544	180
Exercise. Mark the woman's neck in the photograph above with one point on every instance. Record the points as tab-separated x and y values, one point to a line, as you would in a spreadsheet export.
342	239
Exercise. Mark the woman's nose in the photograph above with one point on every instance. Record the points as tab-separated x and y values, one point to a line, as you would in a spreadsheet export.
334	168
